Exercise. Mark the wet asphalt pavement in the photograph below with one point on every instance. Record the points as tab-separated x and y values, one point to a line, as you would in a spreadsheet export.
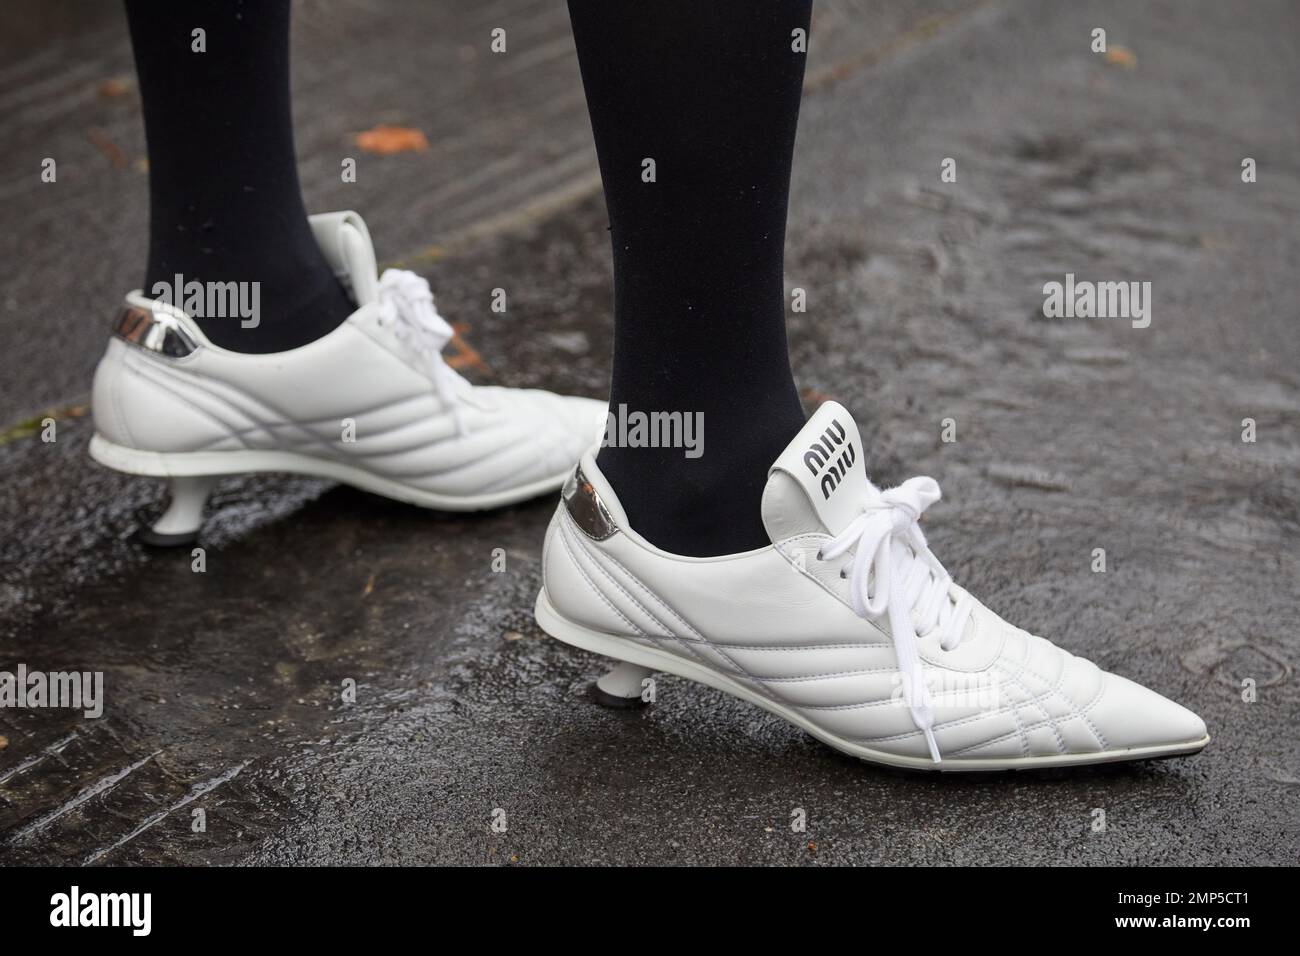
224	689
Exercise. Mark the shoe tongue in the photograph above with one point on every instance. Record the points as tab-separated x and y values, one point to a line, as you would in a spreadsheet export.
345	240
819	483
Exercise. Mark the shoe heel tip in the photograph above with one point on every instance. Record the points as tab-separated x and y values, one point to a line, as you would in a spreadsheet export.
157	539
623	687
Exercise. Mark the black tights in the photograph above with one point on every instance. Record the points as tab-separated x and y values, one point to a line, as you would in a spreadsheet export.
224	204
707	89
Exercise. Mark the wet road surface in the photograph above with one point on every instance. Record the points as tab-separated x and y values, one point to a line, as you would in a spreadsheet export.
225	688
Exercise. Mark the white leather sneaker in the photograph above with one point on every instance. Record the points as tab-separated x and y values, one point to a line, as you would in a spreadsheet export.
846	626
372	404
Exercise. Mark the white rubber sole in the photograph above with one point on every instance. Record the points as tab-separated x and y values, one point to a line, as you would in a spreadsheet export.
246	461
654	659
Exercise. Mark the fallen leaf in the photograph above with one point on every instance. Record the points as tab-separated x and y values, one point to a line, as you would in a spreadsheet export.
370	586
107	147
4	741
114	87
465	356
513	636
33	425
1121	56
386	140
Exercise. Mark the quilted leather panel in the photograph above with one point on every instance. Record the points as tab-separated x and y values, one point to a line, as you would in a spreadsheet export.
777	630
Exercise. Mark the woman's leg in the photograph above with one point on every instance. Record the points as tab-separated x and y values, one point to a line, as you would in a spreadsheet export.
710	92
709	89
223	186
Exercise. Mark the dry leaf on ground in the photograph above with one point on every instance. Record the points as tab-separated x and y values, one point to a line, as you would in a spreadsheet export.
385	140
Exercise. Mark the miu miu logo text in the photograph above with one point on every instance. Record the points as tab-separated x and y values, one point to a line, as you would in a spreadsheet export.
821	458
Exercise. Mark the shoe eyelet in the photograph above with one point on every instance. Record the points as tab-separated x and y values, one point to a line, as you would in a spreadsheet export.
819	555
844	575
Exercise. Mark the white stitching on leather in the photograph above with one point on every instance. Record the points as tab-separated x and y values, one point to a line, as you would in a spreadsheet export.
732	645
975	717
595	590
167	379
760	682
737	669
661	602
571	540
1075	710
829	676
1036	700
115	395
862	706
259	426
173	394
1101	690
998	740
1015	715
623	591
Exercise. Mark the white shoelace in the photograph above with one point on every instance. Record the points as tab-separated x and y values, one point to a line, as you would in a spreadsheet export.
894	572
406	305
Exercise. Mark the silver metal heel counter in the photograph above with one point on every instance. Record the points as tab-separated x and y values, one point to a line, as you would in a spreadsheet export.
586	509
